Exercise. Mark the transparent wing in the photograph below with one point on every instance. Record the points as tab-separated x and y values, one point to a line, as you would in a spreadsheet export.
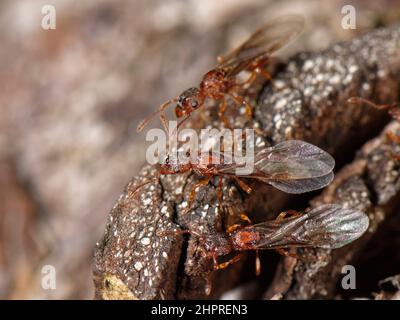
299	186
294	159
328	226
295	166
265	41
292	166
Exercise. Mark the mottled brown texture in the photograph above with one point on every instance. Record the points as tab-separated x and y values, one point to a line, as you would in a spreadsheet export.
307	100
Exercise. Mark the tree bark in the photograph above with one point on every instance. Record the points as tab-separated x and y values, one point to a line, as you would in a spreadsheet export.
306	100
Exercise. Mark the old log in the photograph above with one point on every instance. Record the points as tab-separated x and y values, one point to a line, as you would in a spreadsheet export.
306	100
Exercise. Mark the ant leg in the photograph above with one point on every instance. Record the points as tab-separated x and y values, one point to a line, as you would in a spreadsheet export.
164	121
215	261
281	216
393	137
396	157
286	253
179	124
265	73
220	192
224	265
256	71
137	188
244	217
251	79
395	113
208	285
182	121
201	183
242	185
385	106
259	68
235	226
172	233
258	263
232	228
241	101
284	214
360	101
163	233
221	112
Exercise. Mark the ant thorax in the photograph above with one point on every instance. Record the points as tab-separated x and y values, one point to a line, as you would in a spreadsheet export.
243	239
208	162
215	84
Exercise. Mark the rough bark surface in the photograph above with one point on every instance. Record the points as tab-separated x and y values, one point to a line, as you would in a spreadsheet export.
306	100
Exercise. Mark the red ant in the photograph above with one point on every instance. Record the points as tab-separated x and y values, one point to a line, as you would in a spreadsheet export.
329	226
393	110
220	83
292	166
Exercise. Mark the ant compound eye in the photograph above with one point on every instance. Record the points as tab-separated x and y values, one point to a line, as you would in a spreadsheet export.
164	159
194	103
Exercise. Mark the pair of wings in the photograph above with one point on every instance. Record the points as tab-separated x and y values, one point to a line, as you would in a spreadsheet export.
328	226
292	166
261	44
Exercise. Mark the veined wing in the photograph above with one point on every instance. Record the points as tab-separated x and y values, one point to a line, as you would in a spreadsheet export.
298	186
264	42
294	166
294	159
291	166
328	226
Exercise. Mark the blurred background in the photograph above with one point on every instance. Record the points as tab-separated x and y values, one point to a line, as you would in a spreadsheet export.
72	97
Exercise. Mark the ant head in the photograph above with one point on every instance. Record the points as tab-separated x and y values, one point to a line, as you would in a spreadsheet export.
210	245
188	101
167	165
174	164
163	159
215	244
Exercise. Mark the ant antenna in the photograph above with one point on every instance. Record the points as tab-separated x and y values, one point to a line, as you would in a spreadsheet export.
360	101
176	232
156	178
161	109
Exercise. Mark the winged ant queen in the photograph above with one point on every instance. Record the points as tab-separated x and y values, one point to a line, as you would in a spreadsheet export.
222	83
328	226
292	166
